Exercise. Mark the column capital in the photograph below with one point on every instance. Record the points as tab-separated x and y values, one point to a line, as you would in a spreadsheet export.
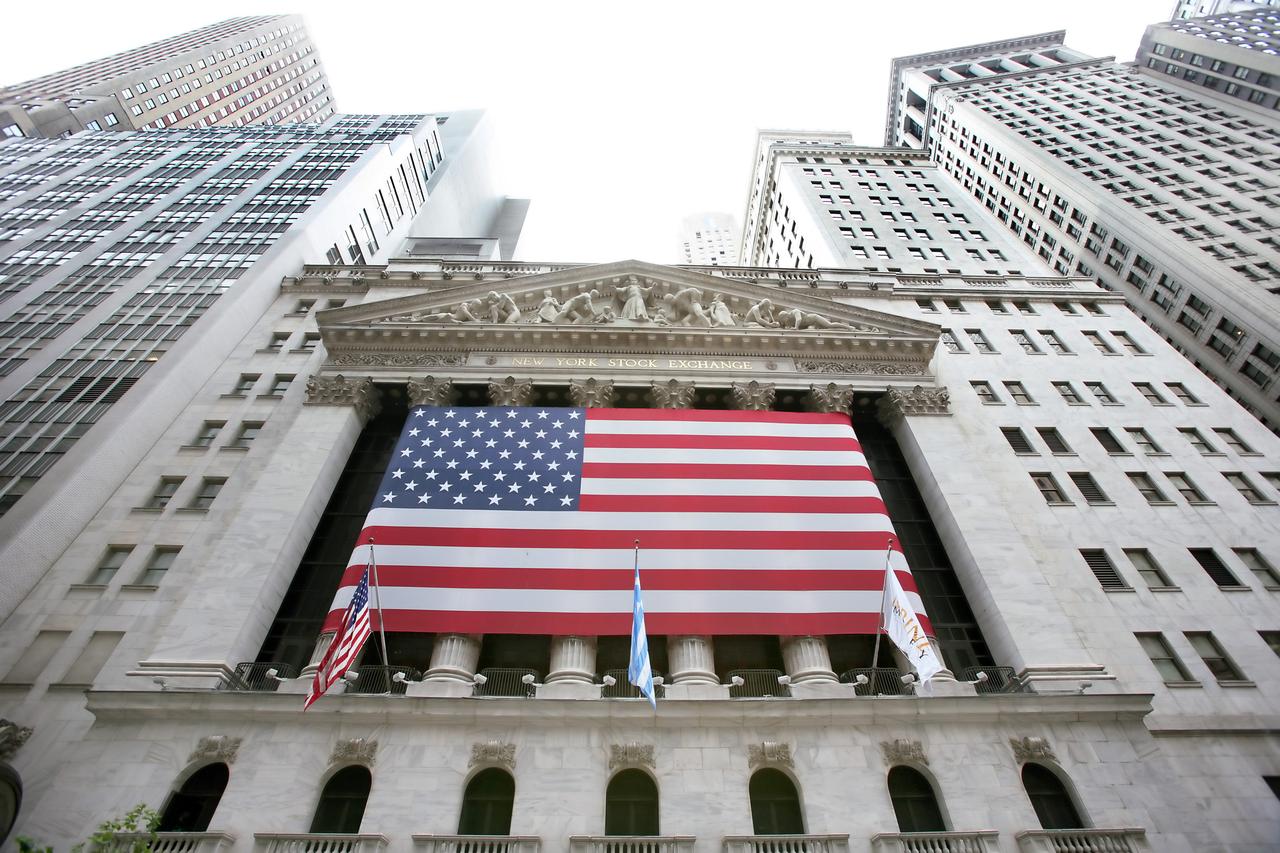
896	404
753	396
338	390
832	397
672	394
511	391
592	393
430	391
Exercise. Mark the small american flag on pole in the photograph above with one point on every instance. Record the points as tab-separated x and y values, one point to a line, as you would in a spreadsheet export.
353	630
523	521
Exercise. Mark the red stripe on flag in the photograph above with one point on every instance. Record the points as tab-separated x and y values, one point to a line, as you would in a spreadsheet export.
730	503
720	442
702	471
759	540
717	416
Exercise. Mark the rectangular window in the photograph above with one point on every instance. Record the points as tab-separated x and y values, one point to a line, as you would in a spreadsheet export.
1055	343
1127	341
1145	442
1099	343
1214	657
36	657
980	342
1234	441
1024	307
309	341
1100	391
949	341
1180	391
1049	488
927	305
110	563
1148	569
986	393
280	384
997	307
248	432
209	488
90	661
1103	569
1054	440
164	493
1246	488
1197	440
277	342
1162	657
161	561
955	306
303	306
1186	488
1017	440
1069	393
1025	341
245	384
1019	394
1109	442
207	433
1256	563
1214	567
1089	488
1147	390
1272	639
1147	487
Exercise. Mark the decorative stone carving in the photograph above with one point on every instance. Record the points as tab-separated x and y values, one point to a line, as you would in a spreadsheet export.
635	300
831	397
397	359
500	308
672	394
494	753
430	391
753	396
357	750
548	309
903	751
631	755
919	400
762	315
799	320
216	748
12	737
594	393
874	368
769	754
1032	749
579	309
341	391
511	392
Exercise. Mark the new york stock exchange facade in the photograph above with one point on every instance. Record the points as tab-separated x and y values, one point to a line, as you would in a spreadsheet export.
1049	730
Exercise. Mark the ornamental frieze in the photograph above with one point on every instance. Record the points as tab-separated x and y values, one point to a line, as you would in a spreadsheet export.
872	368
397	359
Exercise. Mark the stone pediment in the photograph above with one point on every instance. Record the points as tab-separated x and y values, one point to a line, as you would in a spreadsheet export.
628	306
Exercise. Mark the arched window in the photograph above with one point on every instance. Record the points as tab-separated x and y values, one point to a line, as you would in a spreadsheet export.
775	805
1050	798
10	799
486	805
191	807
631	804
914	801
341	806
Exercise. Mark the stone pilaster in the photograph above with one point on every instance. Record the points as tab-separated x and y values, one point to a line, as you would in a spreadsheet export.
672	394
592	393
832	397
430	391
511	392
896	404
753	396
340	391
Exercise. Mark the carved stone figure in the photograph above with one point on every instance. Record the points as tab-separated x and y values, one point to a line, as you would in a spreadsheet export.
720	314
464	313
688	308
548	308
794	318
502	308
579	309
635	301
761	314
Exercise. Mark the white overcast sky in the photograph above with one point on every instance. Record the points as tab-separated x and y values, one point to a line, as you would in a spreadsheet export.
616	119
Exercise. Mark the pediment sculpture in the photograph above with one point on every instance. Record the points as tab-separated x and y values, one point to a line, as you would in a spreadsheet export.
630	301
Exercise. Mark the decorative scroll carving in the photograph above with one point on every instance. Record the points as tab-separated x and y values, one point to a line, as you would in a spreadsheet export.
919	400
511	392
769	753
216	748
594	393
831	397
341	391
397	359
12	737
494	753
753	396
672	394
357	750
1032	749
903	751
430	391
874	368
631	755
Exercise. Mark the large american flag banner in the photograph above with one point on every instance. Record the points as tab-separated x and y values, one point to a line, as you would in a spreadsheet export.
523	521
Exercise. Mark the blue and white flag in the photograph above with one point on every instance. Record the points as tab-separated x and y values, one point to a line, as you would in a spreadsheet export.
639	672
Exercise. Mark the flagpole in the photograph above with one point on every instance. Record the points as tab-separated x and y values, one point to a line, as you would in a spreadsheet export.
377	597
884	585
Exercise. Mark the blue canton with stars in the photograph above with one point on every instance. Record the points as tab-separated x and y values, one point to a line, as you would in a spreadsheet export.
486	458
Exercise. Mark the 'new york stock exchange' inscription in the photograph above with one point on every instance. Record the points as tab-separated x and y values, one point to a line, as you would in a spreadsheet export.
632	362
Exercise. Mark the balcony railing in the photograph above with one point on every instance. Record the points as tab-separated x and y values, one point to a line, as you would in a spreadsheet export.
623	689
168	842
982	841
478	843
318	842
1000	679
377	678
507	681
254	676
631	843
1126	840
747	683
880	681
786	844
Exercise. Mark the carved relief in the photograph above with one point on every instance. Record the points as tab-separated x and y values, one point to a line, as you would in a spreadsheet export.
831	397
875	368
919	400
672	394
355	751
341	391
12	737
1032	749
903	751
631	755
594	393
769	753
216	748
752	396
397	359
430	391
494	753
511	392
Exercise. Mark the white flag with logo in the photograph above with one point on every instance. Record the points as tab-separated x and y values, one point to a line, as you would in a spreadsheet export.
902	626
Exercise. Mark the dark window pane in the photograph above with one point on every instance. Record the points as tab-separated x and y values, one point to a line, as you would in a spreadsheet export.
486	805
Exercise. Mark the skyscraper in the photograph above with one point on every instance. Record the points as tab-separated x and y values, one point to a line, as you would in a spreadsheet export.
253	70
1235	54
708	239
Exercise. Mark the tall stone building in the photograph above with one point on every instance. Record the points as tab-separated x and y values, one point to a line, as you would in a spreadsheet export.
709	239
253	70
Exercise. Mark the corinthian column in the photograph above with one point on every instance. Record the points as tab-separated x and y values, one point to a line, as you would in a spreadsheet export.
453	666
511	392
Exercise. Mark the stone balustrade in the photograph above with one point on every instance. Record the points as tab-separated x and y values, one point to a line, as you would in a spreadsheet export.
1125	840
477	843
978	841
318	842
169	842
786	844
631	843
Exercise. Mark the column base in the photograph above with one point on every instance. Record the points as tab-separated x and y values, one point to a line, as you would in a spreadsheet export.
447	688
565	689
696	690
